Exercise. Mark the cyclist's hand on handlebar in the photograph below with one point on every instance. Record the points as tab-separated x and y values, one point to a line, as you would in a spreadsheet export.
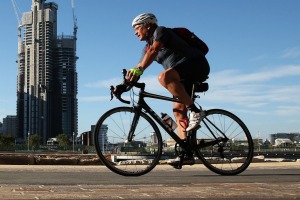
119	89
117	92
133	74
130	76
129	80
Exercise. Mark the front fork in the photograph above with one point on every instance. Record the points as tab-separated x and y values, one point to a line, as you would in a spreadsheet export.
137	113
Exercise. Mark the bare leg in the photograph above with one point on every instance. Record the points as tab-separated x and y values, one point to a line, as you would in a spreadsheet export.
180	113
170	79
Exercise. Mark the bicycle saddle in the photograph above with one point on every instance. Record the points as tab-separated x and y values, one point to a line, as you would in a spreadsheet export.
200	87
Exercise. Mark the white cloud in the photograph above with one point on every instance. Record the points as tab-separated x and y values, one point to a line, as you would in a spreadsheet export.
259	91
261	57
257	104
250	111
230	77
94	98
152	84
288	110
291	52
103	83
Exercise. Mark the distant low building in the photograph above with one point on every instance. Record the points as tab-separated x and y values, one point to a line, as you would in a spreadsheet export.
86	138
283	142
171	142
10	125
1	131
52	141
294	137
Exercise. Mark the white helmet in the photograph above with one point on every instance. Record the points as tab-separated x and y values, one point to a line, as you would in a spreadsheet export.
144	18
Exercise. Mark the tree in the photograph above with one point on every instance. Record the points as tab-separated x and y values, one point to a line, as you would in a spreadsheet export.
7	140
63	140
34	141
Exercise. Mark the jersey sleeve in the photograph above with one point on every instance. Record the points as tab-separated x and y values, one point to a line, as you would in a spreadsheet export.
162	34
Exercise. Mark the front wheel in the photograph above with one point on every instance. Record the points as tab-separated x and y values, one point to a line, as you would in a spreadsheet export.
127	158
224	143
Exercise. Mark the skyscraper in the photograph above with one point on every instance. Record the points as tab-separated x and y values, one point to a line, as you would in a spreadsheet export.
47	77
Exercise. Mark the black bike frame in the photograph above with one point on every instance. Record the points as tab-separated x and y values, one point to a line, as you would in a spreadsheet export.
143	105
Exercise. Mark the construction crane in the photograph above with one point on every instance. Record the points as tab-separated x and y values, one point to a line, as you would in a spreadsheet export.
75	29
17	11
74	20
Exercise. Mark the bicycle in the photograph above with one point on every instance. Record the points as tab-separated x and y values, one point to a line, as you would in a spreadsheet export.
129	142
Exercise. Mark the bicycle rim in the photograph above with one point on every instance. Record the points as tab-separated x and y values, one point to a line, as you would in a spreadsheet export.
133	158
225	158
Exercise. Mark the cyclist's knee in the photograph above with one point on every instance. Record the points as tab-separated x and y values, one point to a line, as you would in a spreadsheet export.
168	76
161	79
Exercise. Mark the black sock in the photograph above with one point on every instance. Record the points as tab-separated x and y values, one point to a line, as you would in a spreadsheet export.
193	108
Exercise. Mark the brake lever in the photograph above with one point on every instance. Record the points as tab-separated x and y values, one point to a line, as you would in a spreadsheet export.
112	88
125	86
124	72
117	95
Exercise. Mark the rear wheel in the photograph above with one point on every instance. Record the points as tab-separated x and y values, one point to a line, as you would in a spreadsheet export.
233	151
133	158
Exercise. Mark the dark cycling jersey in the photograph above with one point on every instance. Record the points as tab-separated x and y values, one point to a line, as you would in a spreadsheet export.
175	50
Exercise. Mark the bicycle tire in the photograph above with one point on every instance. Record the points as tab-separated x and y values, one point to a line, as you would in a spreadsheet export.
231	157
127	158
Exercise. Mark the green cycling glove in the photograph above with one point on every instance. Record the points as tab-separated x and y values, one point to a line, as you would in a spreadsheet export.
136	72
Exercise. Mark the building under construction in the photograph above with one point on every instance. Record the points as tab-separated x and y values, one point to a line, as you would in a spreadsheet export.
47	77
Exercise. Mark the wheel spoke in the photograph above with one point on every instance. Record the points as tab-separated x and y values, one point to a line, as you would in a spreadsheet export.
133	158
230	156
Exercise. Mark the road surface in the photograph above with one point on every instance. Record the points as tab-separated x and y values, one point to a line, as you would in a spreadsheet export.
259	181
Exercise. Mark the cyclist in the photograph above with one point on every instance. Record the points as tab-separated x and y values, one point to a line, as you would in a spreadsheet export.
183	65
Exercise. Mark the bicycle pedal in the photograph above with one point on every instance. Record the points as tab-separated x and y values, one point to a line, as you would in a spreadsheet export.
177	166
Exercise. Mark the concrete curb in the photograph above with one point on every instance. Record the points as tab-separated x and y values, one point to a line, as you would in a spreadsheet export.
48	159
84	159
17	160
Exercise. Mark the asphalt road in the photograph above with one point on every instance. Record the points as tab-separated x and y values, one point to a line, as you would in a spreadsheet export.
259	181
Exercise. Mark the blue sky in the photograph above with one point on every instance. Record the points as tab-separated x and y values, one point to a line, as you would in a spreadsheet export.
254	55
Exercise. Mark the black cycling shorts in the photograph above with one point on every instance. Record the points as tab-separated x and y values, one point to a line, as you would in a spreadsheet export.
191	71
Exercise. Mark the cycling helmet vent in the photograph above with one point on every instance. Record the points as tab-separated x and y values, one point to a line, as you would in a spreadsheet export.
144	18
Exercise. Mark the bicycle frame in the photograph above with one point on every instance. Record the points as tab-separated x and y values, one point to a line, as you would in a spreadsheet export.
143	105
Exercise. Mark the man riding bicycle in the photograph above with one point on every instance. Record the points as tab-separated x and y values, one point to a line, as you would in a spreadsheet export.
183	65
